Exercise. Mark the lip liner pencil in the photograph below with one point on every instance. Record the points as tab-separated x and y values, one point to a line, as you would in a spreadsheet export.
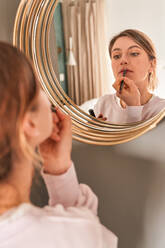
122	82
53	108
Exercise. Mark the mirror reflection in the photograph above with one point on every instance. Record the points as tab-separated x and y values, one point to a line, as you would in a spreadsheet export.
81	47
133	60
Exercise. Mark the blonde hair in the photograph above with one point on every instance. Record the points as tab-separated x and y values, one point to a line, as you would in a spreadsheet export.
18	93
145	42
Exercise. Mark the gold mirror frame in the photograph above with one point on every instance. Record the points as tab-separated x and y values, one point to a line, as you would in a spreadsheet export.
31	34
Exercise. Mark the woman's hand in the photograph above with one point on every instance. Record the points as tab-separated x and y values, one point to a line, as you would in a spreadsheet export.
130	93
101	117
56	150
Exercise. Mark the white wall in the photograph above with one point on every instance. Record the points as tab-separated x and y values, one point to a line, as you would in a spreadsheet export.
145	15
8	9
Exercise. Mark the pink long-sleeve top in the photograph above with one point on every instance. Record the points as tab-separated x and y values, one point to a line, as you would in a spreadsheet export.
70	220
109	106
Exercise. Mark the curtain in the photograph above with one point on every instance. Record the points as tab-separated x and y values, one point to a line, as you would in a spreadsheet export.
85	22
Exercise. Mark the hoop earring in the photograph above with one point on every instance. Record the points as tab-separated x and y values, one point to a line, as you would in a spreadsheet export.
150	77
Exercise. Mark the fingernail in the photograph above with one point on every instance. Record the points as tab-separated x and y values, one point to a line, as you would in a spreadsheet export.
53	109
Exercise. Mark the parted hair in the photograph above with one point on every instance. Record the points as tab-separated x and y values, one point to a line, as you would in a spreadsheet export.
145	42
18	91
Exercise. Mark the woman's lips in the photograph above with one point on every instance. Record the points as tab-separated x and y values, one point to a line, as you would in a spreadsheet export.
125	70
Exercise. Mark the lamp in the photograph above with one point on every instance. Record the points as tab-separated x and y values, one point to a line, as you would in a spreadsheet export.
71	59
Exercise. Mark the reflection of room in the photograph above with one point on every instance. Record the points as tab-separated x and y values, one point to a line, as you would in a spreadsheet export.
138	15
84	22
84	91
58	48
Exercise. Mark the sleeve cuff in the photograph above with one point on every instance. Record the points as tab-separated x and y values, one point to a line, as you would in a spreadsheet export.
62	189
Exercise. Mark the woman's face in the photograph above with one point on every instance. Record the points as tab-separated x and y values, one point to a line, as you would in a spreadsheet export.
43	114
127	55
39	124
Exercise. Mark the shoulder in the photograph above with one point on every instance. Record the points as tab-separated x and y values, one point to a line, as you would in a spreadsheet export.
59	211
153	107
44	219
71	223
105	99
104	103
49	226
33	213
156	98
157	103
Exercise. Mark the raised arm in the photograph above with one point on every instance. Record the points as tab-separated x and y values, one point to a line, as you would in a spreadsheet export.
58	170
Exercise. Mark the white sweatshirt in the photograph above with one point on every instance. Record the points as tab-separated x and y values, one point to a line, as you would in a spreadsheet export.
69	221
109	106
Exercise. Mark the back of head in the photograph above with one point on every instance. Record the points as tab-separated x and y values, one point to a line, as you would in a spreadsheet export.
143	41
18	90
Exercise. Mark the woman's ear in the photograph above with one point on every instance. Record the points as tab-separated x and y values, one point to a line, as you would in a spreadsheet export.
30	126
153	64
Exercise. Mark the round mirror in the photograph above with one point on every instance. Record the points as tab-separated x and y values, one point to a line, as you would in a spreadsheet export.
34	33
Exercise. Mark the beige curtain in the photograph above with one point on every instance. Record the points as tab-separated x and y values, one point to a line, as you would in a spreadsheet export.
85	22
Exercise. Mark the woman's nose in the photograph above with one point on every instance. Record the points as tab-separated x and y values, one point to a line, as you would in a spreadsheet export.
124	60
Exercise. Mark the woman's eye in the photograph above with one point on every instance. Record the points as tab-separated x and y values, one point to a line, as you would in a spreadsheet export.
117	56
135	54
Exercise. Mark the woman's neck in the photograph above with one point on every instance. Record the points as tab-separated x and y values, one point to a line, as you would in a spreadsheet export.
9	197
15	189
145	97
